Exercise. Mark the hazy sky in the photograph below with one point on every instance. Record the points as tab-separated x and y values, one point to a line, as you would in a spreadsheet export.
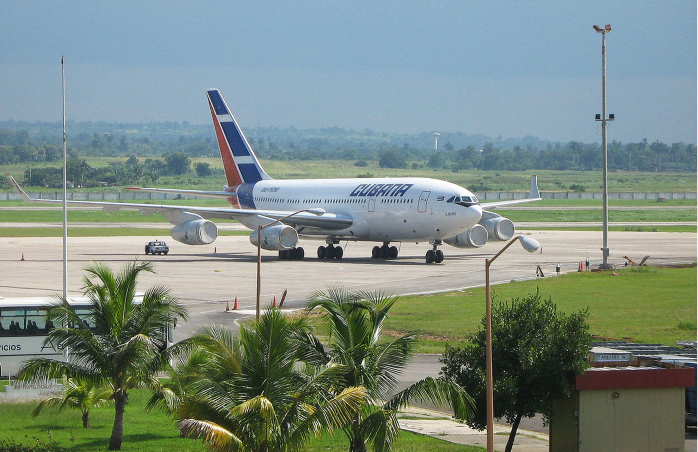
506	68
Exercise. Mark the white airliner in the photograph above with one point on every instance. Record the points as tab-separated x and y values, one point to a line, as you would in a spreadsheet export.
383	210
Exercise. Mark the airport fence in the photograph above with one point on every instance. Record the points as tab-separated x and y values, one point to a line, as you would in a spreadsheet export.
484	196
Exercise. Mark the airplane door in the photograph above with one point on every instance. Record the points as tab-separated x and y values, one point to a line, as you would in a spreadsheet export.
422	204
372	204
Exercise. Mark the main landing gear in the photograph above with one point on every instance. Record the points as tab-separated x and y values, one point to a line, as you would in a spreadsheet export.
435	255
384	252
294	254
330	252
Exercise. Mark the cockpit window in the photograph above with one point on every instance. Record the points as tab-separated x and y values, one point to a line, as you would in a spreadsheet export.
451	199
466	199
475	199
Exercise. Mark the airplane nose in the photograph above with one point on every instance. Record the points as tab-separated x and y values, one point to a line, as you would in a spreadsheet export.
475	212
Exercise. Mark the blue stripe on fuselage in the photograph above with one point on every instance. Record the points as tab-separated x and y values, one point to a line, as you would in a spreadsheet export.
245	194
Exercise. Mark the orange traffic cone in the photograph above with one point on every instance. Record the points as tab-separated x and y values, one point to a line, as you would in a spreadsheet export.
581	266
227	305
235	306
274	303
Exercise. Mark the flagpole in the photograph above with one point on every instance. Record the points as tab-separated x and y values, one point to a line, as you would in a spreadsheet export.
65	194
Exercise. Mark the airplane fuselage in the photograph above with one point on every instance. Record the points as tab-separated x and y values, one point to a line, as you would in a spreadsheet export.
381	209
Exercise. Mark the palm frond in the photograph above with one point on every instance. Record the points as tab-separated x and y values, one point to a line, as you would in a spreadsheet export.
216	437
441	391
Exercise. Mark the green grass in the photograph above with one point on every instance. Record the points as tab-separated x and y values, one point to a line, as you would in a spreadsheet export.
143	431
151	431
57	231
542	216
618	181
39	214
542	227
641	304
406	442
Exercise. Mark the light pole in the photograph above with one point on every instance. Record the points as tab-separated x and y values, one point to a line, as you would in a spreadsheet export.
604	142
314	211
529	245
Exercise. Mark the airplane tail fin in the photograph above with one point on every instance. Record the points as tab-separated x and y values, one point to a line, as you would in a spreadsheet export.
239	160
534	193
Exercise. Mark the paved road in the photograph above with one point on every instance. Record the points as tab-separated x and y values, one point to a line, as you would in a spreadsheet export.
206	277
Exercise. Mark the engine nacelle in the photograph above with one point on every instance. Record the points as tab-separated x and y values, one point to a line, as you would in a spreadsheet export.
498	228
474	237
276	238
195	232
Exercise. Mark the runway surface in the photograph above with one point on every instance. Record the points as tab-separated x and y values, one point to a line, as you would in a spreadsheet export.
206	278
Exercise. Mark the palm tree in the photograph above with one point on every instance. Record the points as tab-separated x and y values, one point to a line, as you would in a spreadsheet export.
259	391
356	341
78	396
124	349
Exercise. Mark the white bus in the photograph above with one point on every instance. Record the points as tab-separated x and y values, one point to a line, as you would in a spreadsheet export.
24	327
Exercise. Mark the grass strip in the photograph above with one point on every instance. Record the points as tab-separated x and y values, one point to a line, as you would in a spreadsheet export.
57	231
640	304
152	431
538	216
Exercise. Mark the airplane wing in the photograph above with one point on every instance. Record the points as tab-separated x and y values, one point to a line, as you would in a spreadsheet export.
204	194
533	195
177	214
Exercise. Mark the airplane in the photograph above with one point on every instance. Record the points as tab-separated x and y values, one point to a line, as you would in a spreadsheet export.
385	210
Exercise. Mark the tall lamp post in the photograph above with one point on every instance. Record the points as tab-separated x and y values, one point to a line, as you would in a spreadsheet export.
314	211
529	245
604	142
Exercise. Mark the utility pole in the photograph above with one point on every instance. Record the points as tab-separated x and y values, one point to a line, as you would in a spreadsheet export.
604	143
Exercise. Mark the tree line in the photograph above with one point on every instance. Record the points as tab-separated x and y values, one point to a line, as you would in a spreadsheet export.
27	143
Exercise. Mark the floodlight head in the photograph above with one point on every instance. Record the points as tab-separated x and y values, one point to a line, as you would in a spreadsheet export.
608	27
529	244
597	28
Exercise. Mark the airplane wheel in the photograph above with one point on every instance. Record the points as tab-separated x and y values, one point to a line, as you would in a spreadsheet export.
321	252
393	252
430	256
376	252
298	253
439	256
338	252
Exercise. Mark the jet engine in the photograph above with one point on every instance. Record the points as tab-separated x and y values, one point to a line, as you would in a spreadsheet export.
474	237
276	238
195	232
498	227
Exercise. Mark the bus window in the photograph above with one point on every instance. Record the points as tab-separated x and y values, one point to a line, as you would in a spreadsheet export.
86	317
36	320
